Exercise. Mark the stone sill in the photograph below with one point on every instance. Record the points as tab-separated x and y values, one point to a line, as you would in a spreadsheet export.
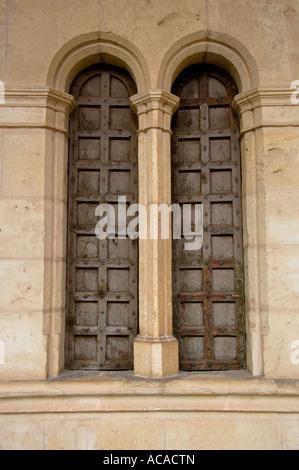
79	392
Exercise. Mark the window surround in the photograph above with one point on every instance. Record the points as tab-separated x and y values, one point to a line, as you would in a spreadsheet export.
154	124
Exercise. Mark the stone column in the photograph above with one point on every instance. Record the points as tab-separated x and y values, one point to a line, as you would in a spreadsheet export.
269	135
155	348
33	201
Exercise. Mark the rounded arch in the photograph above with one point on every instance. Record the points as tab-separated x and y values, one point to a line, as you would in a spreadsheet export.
87	82
92	48
214	48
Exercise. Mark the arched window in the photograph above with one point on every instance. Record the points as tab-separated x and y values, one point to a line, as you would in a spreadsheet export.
208	283
102	275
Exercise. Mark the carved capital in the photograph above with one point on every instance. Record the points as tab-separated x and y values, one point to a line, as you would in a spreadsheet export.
266	107
36	107
155	109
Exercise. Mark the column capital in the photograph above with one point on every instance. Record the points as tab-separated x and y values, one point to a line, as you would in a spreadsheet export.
263	96
36	107
155	109
263	107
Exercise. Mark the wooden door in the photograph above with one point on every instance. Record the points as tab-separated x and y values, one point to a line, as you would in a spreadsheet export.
102	296
208	283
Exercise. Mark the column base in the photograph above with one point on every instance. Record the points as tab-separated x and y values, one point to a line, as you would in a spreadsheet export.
156	357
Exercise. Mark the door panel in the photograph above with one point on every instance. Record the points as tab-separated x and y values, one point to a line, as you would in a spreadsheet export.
102	275
208	283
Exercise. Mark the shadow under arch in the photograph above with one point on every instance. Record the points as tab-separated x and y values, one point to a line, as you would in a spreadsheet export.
92	48
214	48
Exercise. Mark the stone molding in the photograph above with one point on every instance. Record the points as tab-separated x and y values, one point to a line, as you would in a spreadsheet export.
155	109
211	47
38	107
96	47
264	107
102	393
263	96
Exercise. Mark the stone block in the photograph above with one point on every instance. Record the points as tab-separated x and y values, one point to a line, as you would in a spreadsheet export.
17	434
24	346
218	432
22	284
22	232
23	163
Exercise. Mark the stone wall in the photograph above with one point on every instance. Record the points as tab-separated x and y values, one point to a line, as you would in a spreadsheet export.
43	46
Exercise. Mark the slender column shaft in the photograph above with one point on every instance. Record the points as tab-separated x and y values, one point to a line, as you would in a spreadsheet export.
156	349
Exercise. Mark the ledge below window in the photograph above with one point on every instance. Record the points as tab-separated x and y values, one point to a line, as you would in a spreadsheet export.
82	392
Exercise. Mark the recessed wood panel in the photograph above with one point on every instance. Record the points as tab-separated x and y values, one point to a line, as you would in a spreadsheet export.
119	248
192	348
216	88
220	181
191	280
191	314
120	150
85	348
220	150
221	213
219	118
118	279
92	87
189	150
119	182
86	280
118	348
120	118
90	118
223	280
189	182
224	314
222	246
118	314
86	313
88	182
225	348
89	149
190	89
188	119
87	246
118	88
86	213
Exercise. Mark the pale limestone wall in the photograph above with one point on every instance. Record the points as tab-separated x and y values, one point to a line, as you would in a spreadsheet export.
157	431
187	413
266	28
43	45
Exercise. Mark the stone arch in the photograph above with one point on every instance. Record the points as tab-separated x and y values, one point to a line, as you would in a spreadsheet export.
210	47
73	57
92	48
232	56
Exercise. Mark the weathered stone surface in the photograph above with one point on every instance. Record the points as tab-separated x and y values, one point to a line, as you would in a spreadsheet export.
43	46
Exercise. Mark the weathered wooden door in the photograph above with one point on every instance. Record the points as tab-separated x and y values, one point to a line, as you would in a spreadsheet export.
102	278
208	283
